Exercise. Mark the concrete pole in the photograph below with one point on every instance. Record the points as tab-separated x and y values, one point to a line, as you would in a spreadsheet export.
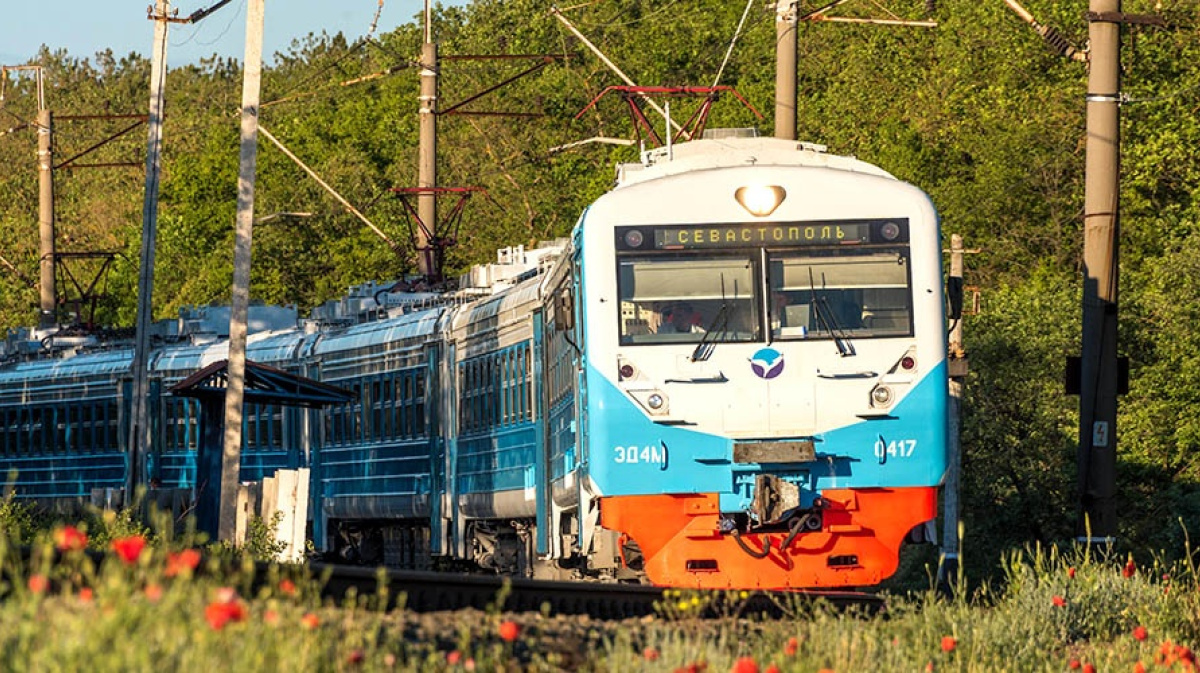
427	262
1098	363
427	168
231	455
49	298
785	69
140	430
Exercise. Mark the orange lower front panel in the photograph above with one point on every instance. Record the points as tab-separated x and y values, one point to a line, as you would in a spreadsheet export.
858	544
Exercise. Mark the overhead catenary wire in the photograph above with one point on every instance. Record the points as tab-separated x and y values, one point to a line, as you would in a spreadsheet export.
312	174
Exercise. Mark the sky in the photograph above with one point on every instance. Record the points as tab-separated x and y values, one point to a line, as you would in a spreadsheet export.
83	27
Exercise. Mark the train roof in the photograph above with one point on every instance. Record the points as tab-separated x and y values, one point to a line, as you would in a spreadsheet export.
725	150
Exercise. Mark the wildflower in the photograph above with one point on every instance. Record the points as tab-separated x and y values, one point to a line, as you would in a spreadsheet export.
1071	572
270	617
182	563
772	669
219	614
949	643
1089	668
226	595
509	630
1074	665
650	654
69	538
389	660
1139	667
469	664
929	667
694	667
38	584
1059	601
154	592
287	587
793	644
1129	570
86	595
1139	632
355	658
745	665
309	621
453	658
129	548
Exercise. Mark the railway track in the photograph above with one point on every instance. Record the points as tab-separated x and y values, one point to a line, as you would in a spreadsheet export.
423	591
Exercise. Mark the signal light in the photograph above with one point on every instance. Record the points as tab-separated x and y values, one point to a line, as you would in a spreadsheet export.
908	363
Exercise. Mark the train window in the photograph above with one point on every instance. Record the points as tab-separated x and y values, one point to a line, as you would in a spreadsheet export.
680	299
843	293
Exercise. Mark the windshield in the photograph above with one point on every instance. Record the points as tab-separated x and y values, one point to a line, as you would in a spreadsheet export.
680	299
819	295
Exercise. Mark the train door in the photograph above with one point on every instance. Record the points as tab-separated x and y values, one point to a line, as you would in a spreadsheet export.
439	506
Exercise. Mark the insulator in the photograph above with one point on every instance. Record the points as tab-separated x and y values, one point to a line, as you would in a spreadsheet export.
1057	43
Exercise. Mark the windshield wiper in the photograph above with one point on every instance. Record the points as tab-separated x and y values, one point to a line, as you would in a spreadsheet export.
826	319
717	329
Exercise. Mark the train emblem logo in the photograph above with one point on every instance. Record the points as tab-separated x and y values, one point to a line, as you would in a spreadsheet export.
767	363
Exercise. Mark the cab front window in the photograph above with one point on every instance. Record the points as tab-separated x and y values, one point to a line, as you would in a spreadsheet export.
833	294
687	298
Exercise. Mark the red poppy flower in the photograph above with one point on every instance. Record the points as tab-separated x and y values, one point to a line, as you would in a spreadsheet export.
219	614
453	658
38	584
309	621
270	617
355	658
1139	667
1059	601
745	665
1089	668
287	586
182	562
129	548
1074	665
86	595
1071	573
772	669
793	644
509	630
650	654
1139	632
70	538
1129	570
694	667
949	643
154	593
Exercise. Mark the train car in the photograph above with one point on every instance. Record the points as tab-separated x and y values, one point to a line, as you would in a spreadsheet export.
762	387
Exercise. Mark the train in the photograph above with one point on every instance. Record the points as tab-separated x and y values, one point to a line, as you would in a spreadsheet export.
731	375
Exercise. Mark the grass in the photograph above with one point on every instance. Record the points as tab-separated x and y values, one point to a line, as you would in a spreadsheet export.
148	608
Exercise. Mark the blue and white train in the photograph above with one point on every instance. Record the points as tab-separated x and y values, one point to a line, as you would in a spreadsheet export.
733	374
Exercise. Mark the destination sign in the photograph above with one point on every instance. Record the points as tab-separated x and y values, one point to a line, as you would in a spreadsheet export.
756	235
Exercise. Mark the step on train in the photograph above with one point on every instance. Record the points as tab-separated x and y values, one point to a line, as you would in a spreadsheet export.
732	374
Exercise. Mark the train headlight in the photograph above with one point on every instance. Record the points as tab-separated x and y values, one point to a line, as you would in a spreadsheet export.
881	396
655	401
760	200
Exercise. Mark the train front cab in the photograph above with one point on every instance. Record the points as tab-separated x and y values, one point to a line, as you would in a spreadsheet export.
798	435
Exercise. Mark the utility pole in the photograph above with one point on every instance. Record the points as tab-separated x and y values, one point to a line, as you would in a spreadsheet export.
786	14
140	437
1099	375
427	151
49	299
231	456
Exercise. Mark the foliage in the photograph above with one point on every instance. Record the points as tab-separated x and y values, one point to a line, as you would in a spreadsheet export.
171	607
